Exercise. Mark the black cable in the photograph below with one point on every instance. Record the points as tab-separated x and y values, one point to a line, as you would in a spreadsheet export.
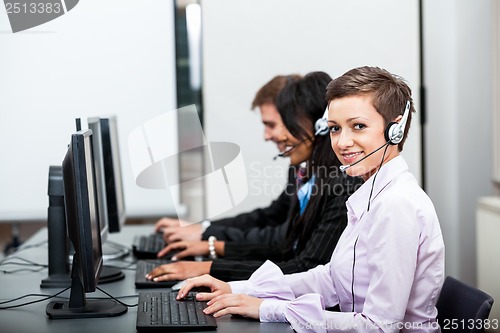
423	96
32	302
353	263
129	266
22	270
116	299
22	248
373	182
27	295
25	247
27	262
117	245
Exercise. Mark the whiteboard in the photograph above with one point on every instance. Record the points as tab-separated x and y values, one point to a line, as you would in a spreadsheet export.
100	58
246	43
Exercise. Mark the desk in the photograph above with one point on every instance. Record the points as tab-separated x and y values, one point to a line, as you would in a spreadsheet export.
32	318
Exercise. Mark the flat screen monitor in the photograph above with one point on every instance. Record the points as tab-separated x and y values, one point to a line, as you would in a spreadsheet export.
112	171
109	187
98	158
82	218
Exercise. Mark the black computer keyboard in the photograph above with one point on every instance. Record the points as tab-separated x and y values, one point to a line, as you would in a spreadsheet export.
147	246
145	266
159	310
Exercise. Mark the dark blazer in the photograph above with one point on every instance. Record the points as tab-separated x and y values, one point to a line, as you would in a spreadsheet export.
242	258
230	229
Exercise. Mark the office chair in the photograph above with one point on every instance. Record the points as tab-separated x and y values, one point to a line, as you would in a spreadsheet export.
462	308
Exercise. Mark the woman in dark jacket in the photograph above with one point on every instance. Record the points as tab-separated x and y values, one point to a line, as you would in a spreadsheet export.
317	215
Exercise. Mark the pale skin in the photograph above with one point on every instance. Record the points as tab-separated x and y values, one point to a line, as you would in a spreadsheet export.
356	129
190	248
220	299
180	270
176	230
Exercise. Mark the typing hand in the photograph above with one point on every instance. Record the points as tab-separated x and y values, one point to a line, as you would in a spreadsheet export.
236	304
166	222
182	232
217	287
179	270
185	249
178	285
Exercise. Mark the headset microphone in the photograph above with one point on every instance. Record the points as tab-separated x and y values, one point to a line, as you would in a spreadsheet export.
278	155
344	167
320	127
283	153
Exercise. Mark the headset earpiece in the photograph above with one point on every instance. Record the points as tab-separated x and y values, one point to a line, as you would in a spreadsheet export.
394	132
389	133
321	125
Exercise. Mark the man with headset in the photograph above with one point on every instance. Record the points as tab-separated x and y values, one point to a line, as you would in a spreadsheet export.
276	214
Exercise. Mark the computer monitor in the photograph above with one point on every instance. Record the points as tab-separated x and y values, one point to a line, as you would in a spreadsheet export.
106	213
82	218
98	159
112	171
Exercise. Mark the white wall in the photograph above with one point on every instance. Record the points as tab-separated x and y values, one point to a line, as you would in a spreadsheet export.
101	58
246	43
457	37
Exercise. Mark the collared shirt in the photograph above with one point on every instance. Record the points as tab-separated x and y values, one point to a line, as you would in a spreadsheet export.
388	266
304	193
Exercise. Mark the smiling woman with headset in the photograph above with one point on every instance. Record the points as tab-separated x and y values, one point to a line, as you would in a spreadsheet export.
388	267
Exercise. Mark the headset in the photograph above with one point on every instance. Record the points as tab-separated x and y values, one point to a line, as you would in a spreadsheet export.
395	131
321	125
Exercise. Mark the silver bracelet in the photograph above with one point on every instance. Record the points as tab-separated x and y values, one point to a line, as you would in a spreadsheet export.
211	247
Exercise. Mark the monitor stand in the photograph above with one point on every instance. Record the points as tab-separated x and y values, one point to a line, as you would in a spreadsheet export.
80	307
113	251
110	274
58	244
59	272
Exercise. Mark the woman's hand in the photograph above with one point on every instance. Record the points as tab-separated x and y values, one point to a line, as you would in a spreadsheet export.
179	270
188	248
182	232
217	287
166	222
238	304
